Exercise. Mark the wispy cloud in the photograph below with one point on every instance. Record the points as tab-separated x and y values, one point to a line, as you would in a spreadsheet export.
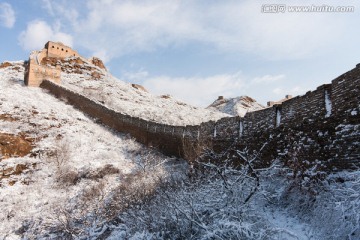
39	32
115	28
61	9
297	90
268	79
199	91
7	15
137	76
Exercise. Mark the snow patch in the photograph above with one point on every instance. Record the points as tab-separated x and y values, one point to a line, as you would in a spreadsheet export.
241	128
328	104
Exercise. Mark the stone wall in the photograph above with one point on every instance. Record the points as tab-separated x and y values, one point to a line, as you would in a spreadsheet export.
165	137
36	73
320	128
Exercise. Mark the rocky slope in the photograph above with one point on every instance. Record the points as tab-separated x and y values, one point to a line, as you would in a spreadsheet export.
238	106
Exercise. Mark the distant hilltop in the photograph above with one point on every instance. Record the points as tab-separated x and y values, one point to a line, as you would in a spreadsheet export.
237	106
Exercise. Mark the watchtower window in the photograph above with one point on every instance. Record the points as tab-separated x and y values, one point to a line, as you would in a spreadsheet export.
53	47
57	47
66	50
62	49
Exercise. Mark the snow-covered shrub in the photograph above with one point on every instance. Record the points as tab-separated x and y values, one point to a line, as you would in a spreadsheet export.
331	206
338	207
306	175
84	211
89	212
146	160
67	177
98	173
193	150
60	157
212	203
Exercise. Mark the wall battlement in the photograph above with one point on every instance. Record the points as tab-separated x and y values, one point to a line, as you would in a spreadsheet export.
321	126
59	50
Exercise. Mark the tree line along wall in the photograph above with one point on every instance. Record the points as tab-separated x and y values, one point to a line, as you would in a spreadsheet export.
320	128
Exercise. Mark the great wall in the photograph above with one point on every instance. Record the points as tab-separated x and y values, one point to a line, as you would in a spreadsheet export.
320	128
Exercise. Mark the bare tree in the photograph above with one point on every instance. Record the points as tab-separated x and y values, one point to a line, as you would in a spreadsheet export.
212	204
148	160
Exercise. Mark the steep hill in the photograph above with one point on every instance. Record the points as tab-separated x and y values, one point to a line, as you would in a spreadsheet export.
51	155
80	75
238	106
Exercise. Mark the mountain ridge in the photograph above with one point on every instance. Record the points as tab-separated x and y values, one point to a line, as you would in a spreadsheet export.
237	106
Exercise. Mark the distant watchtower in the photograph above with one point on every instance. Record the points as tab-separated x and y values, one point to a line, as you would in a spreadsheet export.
35	73
271	103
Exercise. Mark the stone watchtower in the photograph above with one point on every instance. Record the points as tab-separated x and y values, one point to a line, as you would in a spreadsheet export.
35	72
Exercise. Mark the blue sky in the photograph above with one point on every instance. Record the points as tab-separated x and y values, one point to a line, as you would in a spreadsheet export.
194	50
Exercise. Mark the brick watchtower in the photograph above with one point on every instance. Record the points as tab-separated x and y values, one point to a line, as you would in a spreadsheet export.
35	73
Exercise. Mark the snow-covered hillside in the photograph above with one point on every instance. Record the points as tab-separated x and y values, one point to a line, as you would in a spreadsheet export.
62	176
98	84
238	106
70	154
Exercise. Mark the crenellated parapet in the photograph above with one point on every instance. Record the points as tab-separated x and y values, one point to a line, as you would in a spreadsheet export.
59	50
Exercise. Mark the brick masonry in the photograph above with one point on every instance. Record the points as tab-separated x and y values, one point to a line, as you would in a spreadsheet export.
320	128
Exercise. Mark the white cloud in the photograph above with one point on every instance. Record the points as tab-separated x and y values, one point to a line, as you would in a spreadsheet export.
202	91
115	28
39	32
136	76
61	8
126	27
7	15
297	90
102	54
268	79
199	91
46	4
278	91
